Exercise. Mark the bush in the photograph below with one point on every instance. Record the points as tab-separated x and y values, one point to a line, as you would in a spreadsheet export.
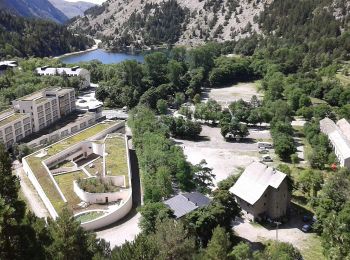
97	185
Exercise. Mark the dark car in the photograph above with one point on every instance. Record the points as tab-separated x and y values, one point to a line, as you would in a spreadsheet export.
307	218
306	228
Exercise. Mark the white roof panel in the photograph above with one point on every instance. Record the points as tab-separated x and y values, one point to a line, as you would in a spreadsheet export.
254	181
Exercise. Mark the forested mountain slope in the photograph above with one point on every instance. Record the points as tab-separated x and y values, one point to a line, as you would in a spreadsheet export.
150	22
72	9
23	37
34	8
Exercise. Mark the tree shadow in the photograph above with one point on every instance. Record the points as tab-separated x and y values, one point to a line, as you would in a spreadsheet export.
295	219
254	246
242	140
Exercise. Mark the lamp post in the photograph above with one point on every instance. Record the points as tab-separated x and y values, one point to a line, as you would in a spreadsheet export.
277	224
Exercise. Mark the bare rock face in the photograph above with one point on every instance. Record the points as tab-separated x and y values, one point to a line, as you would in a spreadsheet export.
188	22
122	24
71	9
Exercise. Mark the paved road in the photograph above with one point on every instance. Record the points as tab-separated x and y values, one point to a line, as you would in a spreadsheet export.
127	228
35	203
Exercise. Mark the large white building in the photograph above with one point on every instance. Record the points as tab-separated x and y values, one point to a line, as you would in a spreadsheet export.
36	112
339	136
47	106
76	71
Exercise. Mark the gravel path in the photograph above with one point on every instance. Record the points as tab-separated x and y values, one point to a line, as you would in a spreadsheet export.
35	203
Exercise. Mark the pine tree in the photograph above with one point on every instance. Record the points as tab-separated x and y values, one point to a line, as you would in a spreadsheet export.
219	245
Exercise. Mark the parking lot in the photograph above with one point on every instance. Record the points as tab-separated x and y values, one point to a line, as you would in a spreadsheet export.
225	157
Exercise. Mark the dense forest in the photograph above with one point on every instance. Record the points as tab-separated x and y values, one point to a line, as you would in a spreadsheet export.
25	37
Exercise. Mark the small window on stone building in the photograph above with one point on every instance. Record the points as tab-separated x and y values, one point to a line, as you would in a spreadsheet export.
264	204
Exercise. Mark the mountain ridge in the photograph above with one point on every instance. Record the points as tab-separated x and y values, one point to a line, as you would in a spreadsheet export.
72	9
34	8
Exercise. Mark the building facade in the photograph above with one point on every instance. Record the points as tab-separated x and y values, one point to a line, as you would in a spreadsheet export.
14	127
262	192
47	106
83	74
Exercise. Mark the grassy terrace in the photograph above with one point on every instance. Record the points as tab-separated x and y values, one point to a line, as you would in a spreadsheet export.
98	167
116	160
11	118
43	176
65	182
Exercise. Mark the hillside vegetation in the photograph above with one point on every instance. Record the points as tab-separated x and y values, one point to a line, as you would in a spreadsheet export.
23	37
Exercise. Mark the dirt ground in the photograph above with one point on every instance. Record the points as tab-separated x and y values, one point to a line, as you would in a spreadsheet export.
229	94
224	157
308	243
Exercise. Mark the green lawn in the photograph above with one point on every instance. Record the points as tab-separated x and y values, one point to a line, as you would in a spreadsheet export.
84	135
312	249
89	216
65	182
116	160
41	173
98	167
343	79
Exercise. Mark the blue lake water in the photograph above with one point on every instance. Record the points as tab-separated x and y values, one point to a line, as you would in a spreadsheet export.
103	56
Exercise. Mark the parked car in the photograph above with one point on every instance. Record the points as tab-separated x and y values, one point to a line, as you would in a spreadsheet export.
263	151
266	158
306	228
307	218
265	145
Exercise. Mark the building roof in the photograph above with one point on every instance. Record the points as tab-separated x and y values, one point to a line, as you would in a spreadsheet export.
7	118
338	134
254	181
344	127
8	63
185	203
327	126
53	71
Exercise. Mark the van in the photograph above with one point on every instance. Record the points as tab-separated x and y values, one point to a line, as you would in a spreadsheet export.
265	145
125	109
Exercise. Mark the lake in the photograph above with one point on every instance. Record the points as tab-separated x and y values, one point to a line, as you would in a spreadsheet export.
101	55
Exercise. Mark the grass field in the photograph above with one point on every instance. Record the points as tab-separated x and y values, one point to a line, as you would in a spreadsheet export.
89	216
312	249
116	160
98	167
343	79
65	182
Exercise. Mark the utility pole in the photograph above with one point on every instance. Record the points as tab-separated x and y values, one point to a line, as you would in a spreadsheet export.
277	224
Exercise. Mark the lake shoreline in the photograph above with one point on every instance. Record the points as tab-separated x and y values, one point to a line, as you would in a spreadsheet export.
93	48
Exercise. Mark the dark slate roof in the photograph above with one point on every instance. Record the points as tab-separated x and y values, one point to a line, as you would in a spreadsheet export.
185	203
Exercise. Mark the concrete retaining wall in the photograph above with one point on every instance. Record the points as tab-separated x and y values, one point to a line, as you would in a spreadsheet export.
111	217
100	197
